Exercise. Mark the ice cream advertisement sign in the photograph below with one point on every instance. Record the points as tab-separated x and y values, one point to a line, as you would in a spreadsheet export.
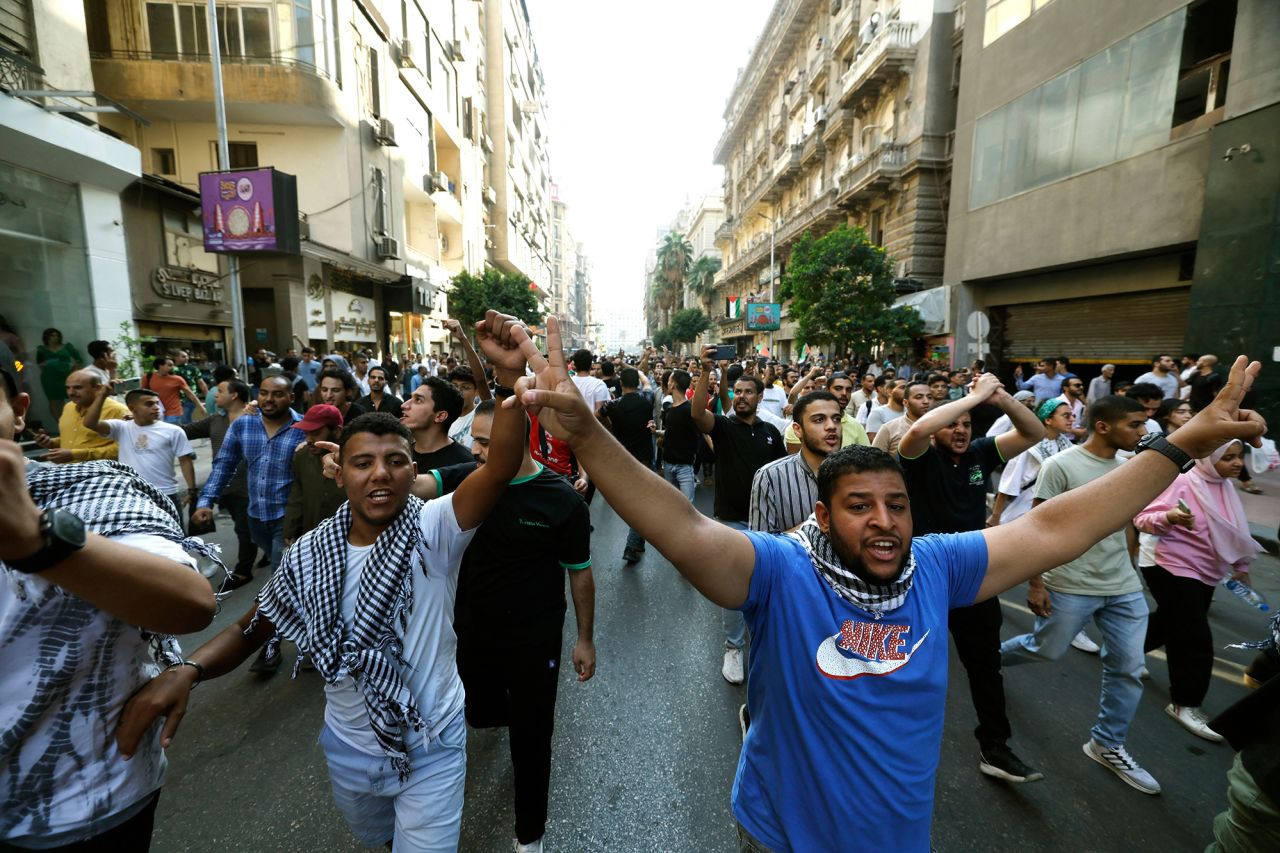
249	210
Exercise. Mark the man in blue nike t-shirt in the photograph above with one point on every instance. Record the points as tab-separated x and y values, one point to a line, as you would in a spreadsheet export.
848	614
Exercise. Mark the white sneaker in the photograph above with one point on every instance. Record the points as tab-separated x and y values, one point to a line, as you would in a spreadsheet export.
531	847
732	669
1120	762
1194	721
1084	644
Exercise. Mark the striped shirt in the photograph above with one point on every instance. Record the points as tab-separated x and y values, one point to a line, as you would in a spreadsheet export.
783	494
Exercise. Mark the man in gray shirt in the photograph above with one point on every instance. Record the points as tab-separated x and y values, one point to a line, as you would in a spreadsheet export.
1101	585
1163	374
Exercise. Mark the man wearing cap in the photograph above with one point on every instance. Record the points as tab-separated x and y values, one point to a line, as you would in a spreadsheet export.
313	497
1004	423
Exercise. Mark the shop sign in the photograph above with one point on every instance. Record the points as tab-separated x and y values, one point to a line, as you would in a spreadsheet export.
187	285
249	210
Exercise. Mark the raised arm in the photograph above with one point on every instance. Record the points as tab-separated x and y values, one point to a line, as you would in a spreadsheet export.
704	420
473	359
644	500
1027	428
1066	526
802	383
93	414
507	346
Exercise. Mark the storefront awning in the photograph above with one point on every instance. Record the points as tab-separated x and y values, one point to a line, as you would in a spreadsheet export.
932	305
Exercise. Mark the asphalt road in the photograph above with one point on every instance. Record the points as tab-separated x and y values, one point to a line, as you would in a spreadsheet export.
644	754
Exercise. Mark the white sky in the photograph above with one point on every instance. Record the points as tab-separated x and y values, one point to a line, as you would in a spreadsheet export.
635	105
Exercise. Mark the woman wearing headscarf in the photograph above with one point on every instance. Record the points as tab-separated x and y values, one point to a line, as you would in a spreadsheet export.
1203	538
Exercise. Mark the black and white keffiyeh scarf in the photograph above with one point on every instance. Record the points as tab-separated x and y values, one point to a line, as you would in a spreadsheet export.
303	600
112	500
876	599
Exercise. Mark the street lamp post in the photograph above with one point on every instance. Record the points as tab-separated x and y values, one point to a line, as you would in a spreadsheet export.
773	230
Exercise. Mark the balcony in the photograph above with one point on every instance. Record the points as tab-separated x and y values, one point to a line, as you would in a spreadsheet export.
885	57
818	69
812	145
787	166
846	30
863	179
957	27
265	90
725	232
839	123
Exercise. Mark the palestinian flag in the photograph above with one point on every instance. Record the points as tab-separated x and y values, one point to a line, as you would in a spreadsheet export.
733	306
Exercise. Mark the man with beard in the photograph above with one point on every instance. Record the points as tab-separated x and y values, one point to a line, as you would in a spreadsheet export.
313	497
379	399
744	444
265	444
916	400
784	492
946	475
849	680
380	575
851	432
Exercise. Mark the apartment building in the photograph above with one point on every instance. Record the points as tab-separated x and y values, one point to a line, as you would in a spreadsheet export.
63	256
843	114
519	172
1110	182
570	276
705	218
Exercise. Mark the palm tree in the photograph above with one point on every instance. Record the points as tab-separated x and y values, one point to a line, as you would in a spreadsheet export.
674	256
701	279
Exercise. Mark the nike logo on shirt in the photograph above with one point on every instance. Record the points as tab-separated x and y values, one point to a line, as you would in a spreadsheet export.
865	648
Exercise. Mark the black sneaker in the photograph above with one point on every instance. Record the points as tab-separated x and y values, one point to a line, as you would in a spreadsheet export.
268	660
1000	762
630	555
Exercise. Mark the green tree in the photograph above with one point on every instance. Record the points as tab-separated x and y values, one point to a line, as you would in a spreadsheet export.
662	338
509	293
686	325
841	291
674	256
701	280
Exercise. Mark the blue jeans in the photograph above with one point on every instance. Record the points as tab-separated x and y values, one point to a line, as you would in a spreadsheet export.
735	624
680	476
422	813
173	419
269	536
188	409
1123	621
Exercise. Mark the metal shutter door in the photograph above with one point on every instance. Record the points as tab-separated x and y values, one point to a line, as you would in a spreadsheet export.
1131	327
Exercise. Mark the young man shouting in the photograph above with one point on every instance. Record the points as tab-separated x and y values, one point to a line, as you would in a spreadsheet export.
368	597
848	687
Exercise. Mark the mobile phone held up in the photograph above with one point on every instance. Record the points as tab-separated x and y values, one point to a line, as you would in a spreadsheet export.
726	352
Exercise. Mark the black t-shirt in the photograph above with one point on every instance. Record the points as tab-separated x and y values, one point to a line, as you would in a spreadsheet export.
390	404
681	439
1204	387
451	454
947	496
514	568
741	450
615	386
629	417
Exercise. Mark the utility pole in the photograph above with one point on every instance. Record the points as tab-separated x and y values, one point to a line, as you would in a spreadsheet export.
238	359
773	273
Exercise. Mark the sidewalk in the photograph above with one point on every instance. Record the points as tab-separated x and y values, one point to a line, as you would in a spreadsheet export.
1264	509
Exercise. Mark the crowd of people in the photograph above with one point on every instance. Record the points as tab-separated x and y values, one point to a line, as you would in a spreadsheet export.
413	516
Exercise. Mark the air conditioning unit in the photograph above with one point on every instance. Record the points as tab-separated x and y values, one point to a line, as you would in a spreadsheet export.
385	132
820	113
388	248
442	182
304	227
455	48
429	184
490	195
408	53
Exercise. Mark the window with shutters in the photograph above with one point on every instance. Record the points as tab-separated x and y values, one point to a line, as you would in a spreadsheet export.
16	28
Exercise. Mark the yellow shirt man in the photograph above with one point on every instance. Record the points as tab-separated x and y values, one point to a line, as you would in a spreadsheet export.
851	432
84	443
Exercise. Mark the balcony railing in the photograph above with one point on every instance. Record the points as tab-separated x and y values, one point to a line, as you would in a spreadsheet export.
22	78
788	163
205	59
888	51
863	178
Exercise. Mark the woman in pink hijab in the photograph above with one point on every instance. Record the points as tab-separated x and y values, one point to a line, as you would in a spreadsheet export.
1198	547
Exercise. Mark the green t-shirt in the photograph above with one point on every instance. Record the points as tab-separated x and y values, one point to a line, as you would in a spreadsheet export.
1105	569
189	372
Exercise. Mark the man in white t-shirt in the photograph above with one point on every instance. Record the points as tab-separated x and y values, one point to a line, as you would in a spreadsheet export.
895	408
774	400
147	443
75	584
593	389
394	733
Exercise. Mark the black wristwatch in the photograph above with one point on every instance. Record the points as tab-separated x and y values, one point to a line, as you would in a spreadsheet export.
61	533
1157	442
502	391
